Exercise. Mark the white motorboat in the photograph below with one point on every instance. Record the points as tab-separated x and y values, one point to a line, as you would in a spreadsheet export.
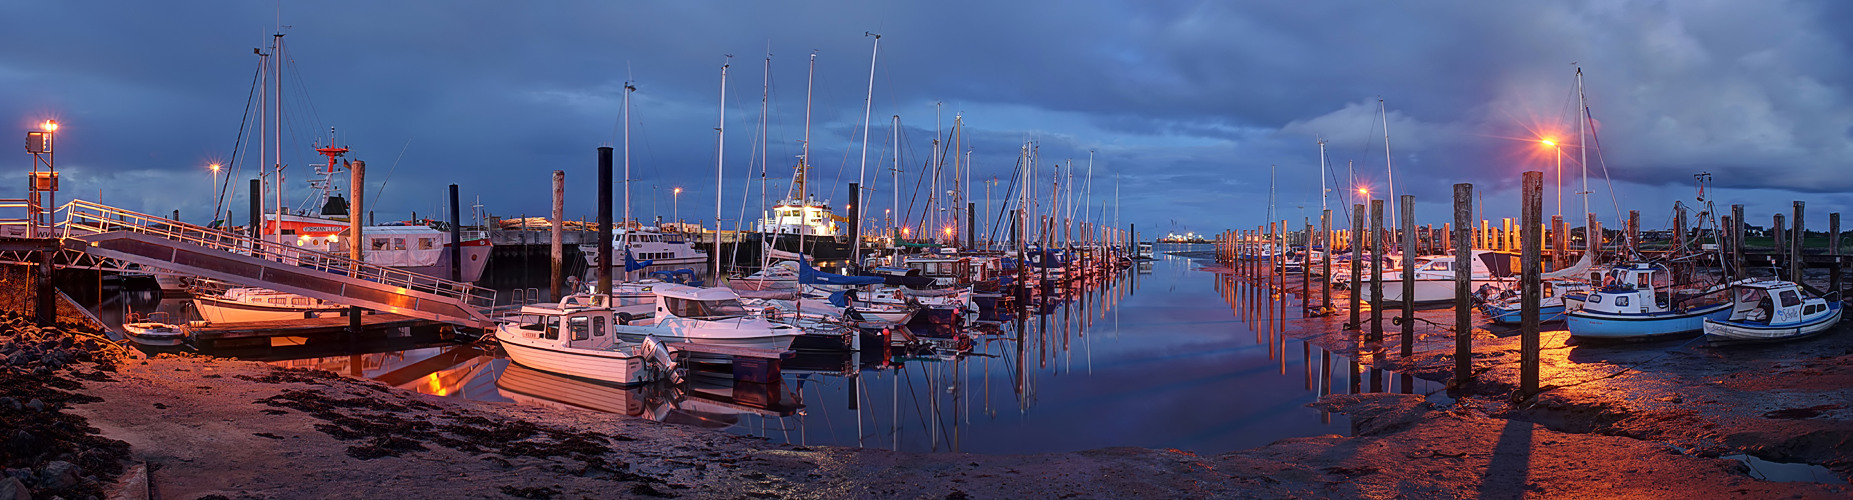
576	337
1767	311
156	329
247	304
710	316
1434	280
1636	302
649	244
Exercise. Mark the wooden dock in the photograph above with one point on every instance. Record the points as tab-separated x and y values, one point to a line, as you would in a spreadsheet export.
303	327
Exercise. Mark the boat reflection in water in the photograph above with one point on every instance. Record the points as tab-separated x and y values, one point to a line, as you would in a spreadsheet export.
700	402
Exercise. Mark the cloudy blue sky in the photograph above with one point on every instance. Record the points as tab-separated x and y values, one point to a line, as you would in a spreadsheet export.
1187	106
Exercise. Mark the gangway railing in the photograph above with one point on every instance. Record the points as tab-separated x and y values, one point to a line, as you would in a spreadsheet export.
84	217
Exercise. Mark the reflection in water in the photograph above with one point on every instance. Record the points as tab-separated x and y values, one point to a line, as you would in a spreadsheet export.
1185	359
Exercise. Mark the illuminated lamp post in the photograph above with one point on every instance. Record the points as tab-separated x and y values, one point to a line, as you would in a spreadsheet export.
39	144
215	191
1553	145
675	207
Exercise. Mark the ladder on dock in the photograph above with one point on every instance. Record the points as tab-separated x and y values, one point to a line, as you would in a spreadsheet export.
113	233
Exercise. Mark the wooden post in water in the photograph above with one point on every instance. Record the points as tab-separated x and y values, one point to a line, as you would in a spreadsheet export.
556	252
1634	232
1530	286
1682	271
1409	244
1730	248
45	294
1796	264
1306	271
1833	249
456	237
1325	260
357	238
1280	257
1559	242
1463	284
604	222
1505	235
1592	237
1376	271
1779	238
1737	242
1357	263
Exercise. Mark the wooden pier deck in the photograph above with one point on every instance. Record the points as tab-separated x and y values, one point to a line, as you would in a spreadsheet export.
302	327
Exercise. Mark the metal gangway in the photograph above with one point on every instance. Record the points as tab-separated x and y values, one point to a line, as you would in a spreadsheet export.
102	231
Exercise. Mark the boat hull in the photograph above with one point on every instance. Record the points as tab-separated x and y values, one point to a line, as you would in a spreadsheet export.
1426	291
214	310
1608	326
1725	331
1512	316
617	367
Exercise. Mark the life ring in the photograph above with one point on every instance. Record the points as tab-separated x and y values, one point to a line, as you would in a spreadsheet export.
624	318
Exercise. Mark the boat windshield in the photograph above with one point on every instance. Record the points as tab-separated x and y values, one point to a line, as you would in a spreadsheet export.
705	309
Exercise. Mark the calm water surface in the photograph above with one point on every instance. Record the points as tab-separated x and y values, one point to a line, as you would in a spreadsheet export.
1162	356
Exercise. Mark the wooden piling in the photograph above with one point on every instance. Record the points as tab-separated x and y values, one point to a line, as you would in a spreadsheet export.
1795	250
1463	284
1325	260
1530	285
1376	271
556	251
1306	271
1779	236
1357	263
1560	242
604	222
1409	249
1833	249
1729	249
1634	232
1737	242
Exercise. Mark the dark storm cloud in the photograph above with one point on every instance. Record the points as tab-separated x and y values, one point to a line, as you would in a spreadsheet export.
1187	107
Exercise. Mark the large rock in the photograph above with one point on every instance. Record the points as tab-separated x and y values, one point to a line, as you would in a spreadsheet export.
12	489
60	474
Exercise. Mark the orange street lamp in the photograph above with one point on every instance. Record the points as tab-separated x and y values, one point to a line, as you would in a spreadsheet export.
1553	145
675	205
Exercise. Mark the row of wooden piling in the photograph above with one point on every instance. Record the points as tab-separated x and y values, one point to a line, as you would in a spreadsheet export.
1240	248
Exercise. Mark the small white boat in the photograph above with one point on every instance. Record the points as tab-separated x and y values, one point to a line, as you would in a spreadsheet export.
710	316
243	305
1767	311
648	244
576	338
156	329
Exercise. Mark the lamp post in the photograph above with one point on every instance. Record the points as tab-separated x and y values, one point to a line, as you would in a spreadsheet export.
675	206
215	191
1554	145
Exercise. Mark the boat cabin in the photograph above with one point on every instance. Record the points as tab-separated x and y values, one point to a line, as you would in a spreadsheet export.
706	304
1632	288
1773	303
580	321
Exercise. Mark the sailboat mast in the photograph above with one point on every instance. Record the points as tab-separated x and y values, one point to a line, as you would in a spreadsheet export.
804	163
1385	113
868	105
720	146
1324	191
1582	142
765	99
894	212
263	148
628	88
276	118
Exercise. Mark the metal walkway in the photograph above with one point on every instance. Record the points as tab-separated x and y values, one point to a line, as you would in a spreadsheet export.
111	233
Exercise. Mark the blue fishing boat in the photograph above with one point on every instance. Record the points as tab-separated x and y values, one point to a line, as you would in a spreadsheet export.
1768	311
1635	302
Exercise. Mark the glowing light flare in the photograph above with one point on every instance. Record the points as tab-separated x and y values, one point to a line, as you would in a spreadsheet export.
214	167
49	125
1547	142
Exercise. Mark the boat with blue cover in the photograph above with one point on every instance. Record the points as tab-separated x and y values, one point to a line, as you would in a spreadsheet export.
1636	301
1768	311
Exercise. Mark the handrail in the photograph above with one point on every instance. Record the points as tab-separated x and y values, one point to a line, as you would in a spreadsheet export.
90	217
